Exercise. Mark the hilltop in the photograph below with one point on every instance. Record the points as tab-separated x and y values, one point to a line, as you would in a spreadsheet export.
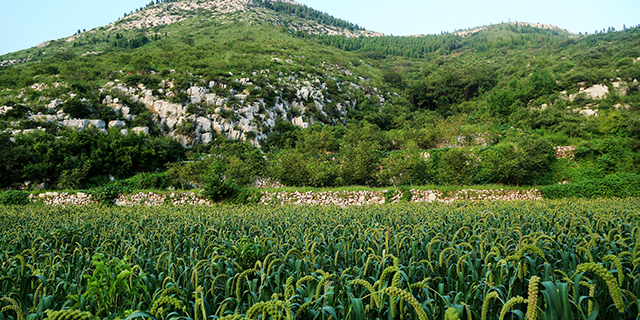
297	82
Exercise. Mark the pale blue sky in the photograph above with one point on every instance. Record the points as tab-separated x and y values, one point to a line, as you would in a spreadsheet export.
26	23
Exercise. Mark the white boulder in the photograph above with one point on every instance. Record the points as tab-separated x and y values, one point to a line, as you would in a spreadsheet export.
54	104
141	130
5	109
76	123
300	122
96	123
197	94
203	124
206	138
116	123
598	91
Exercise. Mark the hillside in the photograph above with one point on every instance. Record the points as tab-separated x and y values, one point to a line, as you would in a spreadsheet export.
195	73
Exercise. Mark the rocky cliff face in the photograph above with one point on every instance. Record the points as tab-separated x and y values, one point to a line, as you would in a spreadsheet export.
237	110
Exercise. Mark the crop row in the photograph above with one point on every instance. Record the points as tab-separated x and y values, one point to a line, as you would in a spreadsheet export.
536	260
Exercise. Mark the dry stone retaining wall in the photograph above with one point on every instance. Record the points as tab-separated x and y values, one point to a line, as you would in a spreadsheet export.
149	199
347	198
339	198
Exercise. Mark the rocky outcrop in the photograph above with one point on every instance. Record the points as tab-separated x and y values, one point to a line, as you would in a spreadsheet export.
237	108
597	91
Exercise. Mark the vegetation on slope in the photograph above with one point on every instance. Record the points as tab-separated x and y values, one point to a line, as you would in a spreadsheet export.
484	108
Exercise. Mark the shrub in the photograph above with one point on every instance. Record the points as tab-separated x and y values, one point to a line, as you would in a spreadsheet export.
289	167
406	194
14	197
246	196
614	185
218	188
108	194
146	180
389	194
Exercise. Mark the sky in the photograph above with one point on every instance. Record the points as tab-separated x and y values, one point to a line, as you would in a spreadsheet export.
26	23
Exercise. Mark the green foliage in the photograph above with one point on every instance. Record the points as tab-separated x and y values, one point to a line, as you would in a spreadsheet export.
527	163
233	262
14	197
394	78
406	193
389	194
111	286
72	161
217	187
436	89
106	195
449	85
148	181
76	109
73	178
405	167
289	167
456	167
188	174
620	185
245	197
305	12
359	154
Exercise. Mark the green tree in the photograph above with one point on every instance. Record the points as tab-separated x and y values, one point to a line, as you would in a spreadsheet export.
289	167
360	154
404	167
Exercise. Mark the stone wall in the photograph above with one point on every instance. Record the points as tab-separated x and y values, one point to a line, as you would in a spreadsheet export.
339	198
347	198
149	199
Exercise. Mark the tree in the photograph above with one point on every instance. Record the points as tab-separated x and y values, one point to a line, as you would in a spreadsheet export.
289	167
359	154
541	83
217	187
394	79
76	109
401	168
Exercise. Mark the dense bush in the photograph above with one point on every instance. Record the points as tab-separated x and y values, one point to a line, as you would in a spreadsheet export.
107	195
614	185
14	197
73	160
217	187
147	181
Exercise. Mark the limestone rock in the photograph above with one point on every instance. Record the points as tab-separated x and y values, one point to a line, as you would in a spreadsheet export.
116	124
197	94
206	138
300	122
5	109
598	91
96	123
76	123
141	130
203	124
54	104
